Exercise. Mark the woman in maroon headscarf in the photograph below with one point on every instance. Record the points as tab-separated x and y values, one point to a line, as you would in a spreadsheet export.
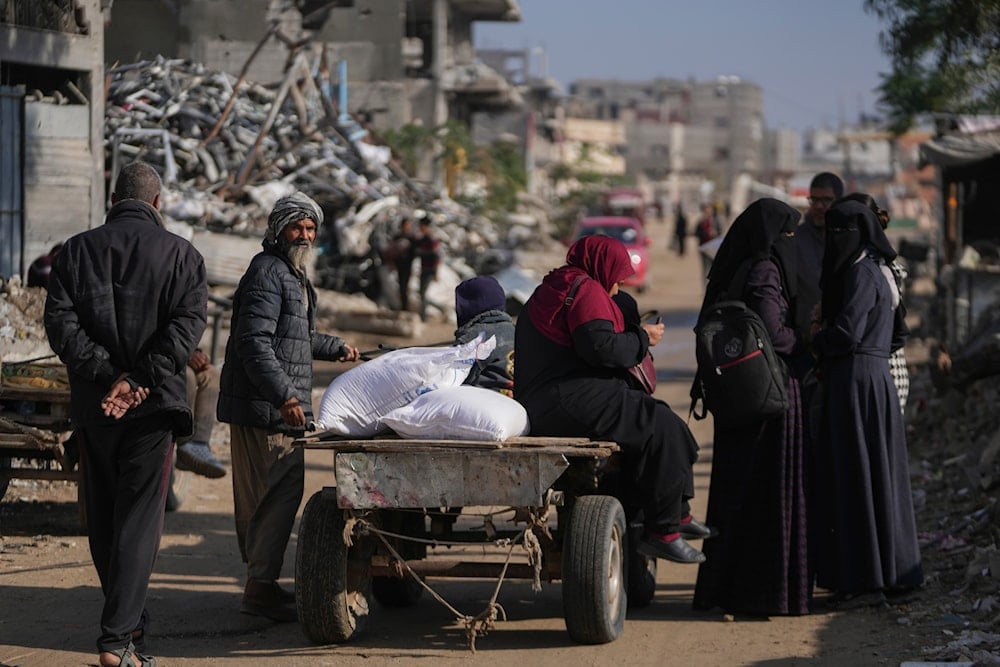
573	347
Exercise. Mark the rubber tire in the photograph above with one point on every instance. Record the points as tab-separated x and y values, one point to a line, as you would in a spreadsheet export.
593	570
396	592
177	488
332	581
641	572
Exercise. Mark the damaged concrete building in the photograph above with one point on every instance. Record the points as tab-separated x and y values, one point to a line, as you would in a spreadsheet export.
406	60
51	125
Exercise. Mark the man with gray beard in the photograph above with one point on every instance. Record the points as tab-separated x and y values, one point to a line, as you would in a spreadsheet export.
264	396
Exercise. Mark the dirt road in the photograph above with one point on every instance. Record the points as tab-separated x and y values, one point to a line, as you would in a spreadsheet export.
50	598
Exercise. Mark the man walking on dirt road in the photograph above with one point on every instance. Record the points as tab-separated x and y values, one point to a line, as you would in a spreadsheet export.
126	307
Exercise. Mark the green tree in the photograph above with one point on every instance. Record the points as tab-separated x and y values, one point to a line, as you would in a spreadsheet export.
945	57
410	143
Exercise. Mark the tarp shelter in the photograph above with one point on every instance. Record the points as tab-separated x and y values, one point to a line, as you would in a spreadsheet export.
969	167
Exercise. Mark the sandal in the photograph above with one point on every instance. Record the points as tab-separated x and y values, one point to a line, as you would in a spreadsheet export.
128	657
139	634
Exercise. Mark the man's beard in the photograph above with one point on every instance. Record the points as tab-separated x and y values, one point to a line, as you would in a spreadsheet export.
298	253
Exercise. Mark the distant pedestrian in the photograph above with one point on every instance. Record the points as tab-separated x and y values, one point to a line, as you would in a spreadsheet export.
403	253
707	229
39	270
125	309
680	230
428	249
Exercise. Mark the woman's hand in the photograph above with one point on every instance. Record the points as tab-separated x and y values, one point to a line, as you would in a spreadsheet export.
655	332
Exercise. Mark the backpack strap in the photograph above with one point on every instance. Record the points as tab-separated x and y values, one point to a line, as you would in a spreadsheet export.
739	282
574	288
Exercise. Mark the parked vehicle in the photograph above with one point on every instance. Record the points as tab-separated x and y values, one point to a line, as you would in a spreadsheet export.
625	202
630	232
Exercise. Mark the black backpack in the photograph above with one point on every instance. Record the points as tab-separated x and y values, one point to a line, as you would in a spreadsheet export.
741	380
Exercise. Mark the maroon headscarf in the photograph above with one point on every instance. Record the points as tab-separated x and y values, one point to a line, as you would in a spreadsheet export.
604	261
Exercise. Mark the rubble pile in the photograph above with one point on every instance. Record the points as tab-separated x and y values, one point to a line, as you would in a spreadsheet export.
22	332
229	149
227	157
954	440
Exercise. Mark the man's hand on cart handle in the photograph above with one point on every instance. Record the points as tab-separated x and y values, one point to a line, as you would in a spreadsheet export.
351	353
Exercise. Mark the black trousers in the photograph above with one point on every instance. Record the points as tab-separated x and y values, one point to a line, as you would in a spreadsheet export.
658	451
126	470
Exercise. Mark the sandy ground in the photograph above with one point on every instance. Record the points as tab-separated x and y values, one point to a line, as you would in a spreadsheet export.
50	598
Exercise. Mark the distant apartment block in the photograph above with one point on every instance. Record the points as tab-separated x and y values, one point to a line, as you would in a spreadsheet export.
407	60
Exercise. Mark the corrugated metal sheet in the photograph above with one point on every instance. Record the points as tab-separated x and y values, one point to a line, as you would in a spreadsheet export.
58	168
11	184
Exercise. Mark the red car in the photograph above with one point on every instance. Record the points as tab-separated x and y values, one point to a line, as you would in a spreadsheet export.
630	232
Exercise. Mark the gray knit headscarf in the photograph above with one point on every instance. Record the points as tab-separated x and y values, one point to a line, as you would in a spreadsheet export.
290	209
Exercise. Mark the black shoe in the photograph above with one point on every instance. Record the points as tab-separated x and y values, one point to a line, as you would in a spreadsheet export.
696	530
264	598
286	596
677	550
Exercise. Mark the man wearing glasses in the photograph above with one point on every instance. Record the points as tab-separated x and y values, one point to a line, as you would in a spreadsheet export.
824	189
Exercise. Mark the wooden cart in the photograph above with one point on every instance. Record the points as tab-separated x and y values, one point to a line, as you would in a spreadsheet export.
390	494
35	429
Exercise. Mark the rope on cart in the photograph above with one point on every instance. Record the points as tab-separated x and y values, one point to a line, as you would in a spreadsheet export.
484	621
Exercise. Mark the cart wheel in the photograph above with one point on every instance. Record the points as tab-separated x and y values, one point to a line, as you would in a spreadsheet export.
641	572
593	574
332	580
177	490
397	591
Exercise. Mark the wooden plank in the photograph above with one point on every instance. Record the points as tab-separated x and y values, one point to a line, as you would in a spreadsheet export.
340	443
34	394
457	478
36	473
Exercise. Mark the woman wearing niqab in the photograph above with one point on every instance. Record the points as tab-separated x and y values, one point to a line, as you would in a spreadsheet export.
572	347
867	538
758	563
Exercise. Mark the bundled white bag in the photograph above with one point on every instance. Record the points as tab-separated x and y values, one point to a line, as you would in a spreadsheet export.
355	401
463	413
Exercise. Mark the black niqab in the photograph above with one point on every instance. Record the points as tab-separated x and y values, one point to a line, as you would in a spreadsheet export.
851	227
758	233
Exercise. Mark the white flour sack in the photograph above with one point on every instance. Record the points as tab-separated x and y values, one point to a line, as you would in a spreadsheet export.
356	401
464	413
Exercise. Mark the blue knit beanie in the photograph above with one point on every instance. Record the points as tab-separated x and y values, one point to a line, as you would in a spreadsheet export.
477	295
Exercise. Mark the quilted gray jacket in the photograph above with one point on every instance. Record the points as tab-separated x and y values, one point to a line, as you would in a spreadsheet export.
272	344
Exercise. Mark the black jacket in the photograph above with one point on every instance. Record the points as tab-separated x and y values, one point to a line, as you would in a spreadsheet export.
272	344
127	296
496	372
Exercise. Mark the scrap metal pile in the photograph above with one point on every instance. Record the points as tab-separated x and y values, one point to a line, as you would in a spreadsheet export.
954	439
228	149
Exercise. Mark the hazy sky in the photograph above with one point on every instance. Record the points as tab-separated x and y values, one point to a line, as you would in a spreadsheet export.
817	61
